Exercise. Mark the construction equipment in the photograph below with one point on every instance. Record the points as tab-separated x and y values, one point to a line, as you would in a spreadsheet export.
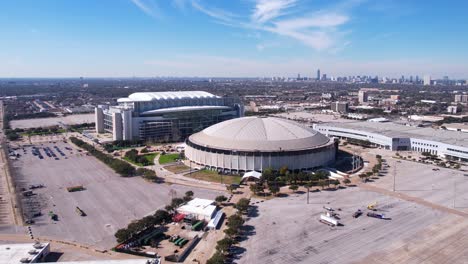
372	206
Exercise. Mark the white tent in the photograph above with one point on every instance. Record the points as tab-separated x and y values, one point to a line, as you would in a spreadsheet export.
253	174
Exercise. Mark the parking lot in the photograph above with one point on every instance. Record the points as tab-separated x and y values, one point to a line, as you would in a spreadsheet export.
52	121
445	187
287	230
109	201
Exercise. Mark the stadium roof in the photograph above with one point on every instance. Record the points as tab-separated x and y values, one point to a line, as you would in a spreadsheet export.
154	96
259	134
185	109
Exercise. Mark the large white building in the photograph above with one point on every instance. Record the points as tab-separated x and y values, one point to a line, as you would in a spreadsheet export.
164	116
447	144
24	253
257	143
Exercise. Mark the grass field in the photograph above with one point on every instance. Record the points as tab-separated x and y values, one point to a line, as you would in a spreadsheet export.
177	168
213	176
150	157
168	158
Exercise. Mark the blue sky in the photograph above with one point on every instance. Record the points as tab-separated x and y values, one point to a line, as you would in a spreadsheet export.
233	38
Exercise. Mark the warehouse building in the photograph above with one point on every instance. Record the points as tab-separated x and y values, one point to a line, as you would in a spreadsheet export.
451	145
257	143
164	116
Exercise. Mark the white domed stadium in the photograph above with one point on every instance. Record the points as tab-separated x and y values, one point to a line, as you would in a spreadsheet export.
257	143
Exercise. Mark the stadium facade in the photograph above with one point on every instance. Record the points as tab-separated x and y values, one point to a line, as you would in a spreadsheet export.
451	145
257	143
164	116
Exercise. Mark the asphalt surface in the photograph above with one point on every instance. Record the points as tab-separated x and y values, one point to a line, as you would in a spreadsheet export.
110	201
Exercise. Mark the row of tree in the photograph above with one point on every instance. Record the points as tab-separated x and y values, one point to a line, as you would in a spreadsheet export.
160	217
234	224
147	174
274	180
133	229
119	166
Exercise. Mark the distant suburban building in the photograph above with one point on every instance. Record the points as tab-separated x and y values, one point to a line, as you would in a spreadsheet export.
452	109
461	98
427	80
340	107
363	97
447	144
165	116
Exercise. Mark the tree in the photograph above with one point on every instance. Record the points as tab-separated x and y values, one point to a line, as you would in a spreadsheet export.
188	196
323	183
161	217
217	258
176	202
267	175
242	205
336	183
346	181
231	232
132	155
283	170
189	193
256	188
122	235
294	187
220	198
224	244
235	221
273	189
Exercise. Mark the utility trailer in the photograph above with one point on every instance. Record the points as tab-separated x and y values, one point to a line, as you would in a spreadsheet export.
376	215
328	219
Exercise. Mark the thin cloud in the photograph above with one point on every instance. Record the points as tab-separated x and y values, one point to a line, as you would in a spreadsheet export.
266	10
148	7
217	13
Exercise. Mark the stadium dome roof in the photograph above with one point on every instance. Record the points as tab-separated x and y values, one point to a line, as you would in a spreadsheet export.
154	96
259	134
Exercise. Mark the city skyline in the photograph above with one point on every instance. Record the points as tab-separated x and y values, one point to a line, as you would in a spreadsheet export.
252	38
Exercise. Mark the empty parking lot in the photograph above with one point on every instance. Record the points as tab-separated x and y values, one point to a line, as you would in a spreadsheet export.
109	201
286	230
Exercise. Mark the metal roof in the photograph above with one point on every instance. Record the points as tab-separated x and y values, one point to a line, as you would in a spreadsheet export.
394	130
185	109
154	96
259	134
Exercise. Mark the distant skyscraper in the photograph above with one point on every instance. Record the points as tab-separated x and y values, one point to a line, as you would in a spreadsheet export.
324	77
427	80
417	79
411	79
318	75
298	76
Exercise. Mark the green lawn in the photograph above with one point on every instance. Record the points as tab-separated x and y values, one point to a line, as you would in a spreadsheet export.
168	158
213	176
150	157
177	168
